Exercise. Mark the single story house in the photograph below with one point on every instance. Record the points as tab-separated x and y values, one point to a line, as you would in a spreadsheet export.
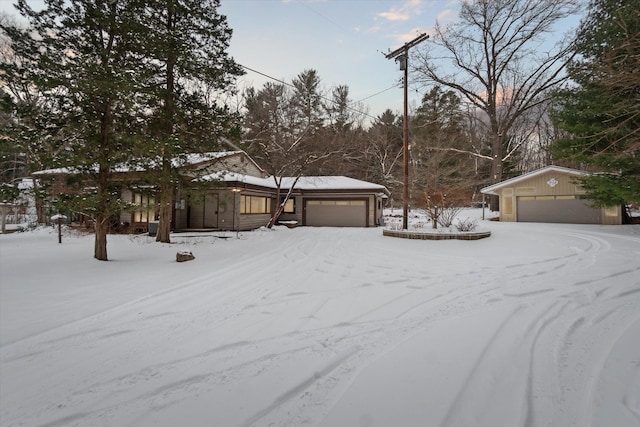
235	193
550	194
248	202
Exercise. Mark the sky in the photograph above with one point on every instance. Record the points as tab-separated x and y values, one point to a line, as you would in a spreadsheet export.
345	41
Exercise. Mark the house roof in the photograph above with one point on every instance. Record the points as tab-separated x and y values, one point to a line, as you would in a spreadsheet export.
305	183
509	182
181	161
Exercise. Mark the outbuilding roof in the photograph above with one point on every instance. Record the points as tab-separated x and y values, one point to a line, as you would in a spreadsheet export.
509	182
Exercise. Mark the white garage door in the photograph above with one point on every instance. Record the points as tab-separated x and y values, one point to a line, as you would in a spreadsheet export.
336	213
560	209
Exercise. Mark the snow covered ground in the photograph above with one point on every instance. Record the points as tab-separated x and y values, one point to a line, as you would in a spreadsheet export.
537	325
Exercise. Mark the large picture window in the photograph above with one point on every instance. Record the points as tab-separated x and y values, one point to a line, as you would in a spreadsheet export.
145	207
255	205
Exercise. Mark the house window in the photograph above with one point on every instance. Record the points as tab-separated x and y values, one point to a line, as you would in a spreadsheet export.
145	210
255	205
290	206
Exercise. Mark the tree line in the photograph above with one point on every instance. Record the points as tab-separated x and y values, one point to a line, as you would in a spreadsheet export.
93	84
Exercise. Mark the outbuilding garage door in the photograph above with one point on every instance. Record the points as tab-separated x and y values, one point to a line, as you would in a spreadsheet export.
336	213
560	209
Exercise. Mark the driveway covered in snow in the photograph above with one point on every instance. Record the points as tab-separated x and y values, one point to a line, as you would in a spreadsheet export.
537	325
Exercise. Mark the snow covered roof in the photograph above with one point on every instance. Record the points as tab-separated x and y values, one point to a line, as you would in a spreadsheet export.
180	161
492	188
332	183
227	176
307	183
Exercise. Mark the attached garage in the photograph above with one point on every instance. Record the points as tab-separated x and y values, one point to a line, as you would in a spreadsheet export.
248	202
336	212
550	194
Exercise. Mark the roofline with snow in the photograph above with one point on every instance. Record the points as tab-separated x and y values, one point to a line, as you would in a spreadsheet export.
492	188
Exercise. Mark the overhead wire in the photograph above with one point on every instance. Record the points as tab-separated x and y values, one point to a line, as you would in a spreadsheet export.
321	96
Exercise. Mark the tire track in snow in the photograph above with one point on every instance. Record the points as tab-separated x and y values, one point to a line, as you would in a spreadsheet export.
483	389
299	388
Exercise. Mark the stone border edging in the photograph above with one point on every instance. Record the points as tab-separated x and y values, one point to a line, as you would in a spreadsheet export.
417	235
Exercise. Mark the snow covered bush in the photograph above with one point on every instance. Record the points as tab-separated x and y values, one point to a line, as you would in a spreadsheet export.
447	215
467	224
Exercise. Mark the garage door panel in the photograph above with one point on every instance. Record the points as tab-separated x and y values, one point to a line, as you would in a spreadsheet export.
336	213
567	211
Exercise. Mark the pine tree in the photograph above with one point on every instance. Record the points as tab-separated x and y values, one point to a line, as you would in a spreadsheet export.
601	111
86	63
186	41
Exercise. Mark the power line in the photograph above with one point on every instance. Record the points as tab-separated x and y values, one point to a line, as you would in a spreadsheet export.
378	93
321	96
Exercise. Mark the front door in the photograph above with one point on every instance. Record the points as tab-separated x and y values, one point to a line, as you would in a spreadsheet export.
210	210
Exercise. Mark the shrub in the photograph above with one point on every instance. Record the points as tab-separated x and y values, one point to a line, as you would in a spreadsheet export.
467	224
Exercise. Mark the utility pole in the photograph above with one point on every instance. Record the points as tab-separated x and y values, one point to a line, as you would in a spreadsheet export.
401	55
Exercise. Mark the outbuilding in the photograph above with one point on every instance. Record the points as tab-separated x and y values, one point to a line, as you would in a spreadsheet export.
551	194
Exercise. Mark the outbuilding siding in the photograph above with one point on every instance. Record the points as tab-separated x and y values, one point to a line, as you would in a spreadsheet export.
550	194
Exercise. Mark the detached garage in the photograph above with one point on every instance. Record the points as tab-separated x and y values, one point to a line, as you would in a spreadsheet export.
550	194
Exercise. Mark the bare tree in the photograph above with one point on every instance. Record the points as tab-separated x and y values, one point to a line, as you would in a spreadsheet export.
496	57
381	153
283	131
443	170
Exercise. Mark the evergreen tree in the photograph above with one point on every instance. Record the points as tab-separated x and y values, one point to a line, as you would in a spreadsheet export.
602	111
186	43
86	62
306	102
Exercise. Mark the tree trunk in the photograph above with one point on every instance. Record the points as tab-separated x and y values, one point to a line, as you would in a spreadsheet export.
164	225
101	230
275	216
166	187
496	168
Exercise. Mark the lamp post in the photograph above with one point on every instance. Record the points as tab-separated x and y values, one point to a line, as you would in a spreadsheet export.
401	55
59	219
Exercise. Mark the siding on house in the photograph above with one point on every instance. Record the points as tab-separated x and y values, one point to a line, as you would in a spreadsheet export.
238	162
